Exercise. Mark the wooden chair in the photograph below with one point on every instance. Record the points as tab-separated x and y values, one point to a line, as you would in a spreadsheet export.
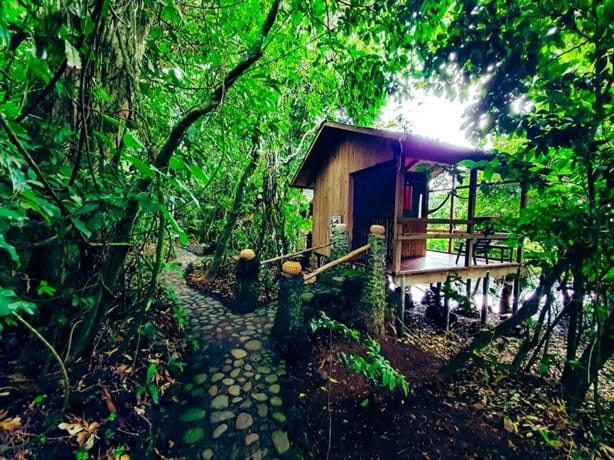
480	248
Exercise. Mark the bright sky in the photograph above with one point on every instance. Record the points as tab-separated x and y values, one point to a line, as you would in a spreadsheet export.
429	116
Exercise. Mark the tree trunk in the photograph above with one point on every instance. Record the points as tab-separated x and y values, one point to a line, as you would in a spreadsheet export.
578	377
528	309
231	218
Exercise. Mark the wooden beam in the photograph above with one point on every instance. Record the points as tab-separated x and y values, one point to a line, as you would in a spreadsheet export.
455	235
415	277
473	183
397	247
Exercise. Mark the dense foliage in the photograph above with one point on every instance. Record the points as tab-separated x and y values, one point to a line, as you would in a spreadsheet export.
546	70
127	125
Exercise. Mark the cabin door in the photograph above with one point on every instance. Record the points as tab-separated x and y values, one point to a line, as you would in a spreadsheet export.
373	203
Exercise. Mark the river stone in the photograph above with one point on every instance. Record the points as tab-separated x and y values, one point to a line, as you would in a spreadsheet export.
260	397
228	381
238	353
217	377
251	438
264	369
234	390
244	338
253	345
237	399
263	410
193	435
220	402
221	416
213	390
244	421
219	431
280	441
247	386
235	373
278	417
271	378
199	379
276	401
245	404
193	414
238	362
274	388
248	367
207	454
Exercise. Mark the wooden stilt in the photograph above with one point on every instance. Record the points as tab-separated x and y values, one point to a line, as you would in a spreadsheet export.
485	282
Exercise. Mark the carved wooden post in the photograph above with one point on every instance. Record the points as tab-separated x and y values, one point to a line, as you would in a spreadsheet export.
373	297
247	285
290	328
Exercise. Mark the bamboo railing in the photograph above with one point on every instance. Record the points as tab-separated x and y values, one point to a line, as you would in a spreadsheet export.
293	254
336	262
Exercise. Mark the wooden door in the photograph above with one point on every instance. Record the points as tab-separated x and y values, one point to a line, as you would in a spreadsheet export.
373	203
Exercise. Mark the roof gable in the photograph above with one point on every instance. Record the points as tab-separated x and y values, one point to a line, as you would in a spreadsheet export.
331	134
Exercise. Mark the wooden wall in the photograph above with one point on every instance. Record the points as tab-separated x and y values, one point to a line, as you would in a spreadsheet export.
333	187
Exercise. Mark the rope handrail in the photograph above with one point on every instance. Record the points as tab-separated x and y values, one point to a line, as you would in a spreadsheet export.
336	262
293	254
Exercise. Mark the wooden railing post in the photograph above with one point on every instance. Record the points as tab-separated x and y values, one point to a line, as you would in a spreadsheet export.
373	296
290	329
247	285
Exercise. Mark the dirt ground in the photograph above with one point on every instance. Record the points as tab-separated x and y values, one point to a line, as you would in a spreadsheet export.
344	416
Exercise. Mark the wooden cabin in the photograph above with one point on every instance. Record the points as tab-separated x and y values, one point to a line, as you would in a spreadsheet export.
364	176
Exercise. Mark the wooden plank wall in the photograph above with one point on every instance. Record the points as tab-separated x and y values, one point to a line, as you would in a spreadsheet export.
414	248
333	188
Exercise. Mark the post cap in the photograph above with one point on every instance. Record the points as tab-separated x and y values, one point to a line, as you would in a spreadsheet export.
247	254
377	229
341	228
291	268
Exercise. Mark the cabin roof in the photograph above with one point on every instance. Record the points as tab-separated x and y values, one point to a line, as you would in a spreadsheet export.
418	148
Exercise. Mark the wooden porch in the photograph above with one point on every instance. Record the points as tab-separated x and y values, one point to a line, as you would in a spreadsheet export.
436	266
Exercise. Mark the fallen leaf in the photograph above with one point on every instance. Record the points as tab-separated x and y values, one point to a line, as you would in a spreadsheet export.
10	424
509	426
72	428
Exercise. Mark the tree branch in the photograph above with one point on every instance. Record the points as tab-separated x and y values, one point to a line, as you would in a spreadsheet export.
176	135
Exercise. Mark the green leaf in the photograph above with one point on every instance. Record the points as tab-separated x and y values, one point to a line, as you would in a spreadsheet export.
72	55
144	168
151	372
10	249
80	225
183	237
132	141
11	303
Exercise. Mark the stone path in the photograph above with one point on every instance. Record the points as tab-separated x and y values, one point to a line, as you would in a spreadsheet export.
232	407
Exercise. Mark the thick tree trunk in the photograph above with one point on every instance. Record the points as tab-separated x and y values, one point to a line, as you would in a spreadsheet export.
579	376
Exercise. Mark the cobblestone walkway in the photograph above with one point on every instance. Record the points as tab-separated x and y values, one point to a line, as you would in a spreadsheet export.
232	407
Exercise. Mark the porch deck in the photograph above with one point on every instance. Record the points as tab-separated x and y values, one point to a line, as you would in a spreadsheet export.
436	266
